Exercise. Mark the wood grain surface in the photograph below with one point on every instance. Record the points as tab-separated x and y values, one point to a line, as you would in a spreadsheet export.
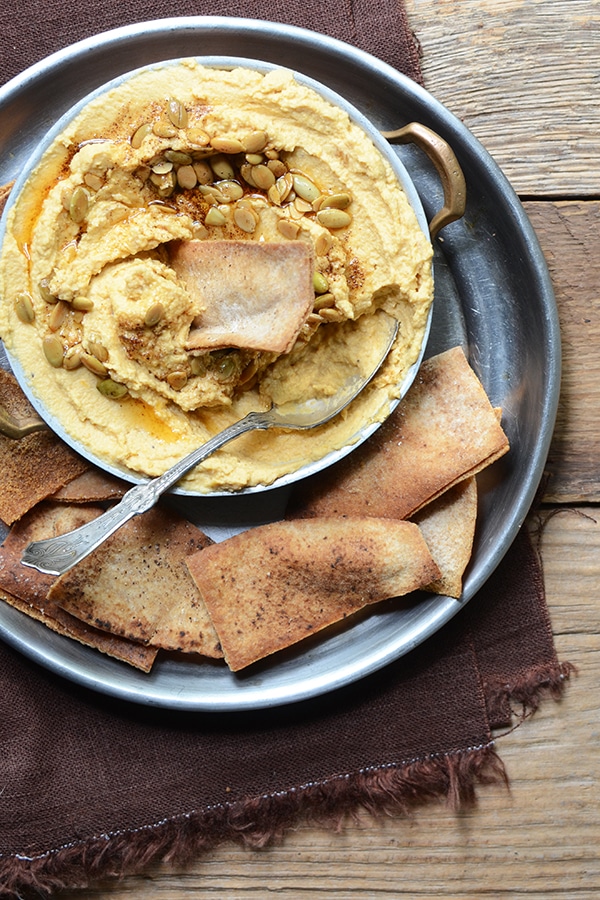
524	75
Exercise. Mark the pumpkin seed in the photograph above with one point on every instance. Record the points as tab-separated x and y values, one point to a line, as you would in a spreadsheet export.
58	315
323	244
79	204
246	173
98	350
154	314
329	314
82	304
186	177
164	130
139	134
112	389
284	185
289	230
262	177
162	166
245	219
203	171
303	206
324	301
273	195
255	142
225	368
222	168
305	188
177	380
198	136
255	159
53	350
165	184
320	283
72	359
45	292
178	157
230	190
94	365
24	308
198	366
277	167
214	217
272	154
177	113
334	218
231	146
335	201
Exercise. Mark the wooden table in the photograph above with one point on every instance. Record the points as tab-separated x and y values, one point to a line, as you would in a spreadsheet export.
524	76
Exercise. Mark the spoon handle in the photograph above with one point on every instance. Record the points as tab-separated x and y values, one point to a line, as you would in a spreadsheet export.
57	555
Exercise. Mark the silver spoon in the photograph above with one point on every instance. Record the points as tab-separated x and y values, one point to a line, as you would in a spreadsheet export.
57	555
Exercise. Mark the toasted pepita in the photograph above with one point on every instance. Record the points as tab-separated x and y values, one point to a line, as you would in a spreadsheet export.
334	218
112	389
24	308
177	113
53	350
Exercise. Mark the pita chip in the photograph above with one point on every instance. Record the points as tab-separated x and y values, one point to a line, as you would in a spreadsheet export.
442	432
27	589
448	526
32	468
254	295
136	585
92	486
275	584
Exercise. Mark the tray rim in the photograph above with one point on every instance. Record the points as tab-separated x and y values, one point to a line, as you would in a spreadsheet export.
60	663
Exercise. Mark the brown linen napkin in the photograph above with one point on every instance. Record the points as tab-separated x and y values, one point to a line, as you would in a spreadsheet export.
92	787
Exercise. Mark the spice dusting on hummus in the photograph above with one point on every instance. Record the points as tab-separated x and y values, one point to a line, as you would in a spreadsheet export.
109	330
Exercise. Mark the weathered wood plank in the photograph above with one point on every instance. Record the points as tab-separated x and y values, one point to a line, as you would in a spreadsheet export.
539	840
523	76
569	233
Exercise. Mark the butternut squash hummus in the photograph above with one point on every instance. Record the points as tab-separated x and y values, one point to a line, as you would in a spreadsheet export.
105	306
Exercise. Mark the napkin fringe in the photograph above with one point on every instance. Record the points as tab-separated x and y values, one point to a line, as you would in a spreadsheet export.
528	691
391	790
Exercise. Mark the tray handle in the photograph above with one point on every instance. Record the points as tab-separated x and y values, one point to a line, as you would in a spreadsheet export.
442	156
12	428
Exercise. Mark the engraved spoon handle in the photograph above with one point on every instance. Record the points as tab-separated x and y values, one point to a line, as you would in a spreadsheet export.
57	555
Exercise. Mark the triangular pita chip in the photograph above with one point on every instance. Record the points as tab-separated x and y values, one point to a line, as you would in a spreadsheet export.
92	486
273	585
26	589
33	467
443	431
137	585
254	295
448	526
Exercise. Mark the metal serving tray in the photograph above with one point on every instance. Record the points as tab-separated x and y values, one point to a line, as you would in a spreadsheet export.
493	297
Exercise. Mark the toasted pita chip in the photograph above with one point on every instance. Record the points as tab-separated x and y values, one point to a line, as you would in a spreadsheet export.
33	467
92	486
137	585
255	295
444	431
26	589
274	585
448	526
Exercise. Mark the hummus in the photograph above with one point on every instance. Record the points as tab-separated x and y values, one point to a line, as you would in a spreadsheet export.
99	320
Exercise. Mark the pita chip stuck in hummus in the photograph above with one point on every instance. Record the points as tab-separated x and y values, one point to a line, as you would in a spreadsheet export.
272	586
255	296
